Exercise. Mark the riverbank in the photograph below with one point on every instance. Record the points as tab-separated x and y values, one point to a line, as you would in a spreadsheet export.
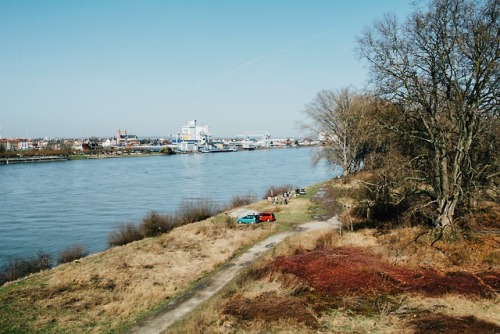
207	287
122	285
59	205
25	157
366	280
360	279
33	159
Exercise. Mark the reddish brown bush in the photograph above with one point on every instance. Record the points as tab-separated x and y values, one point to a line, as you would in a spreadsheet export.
352	270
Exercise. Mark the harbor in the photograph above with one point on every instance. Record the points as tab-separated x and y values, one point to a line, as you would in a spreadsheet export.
193	137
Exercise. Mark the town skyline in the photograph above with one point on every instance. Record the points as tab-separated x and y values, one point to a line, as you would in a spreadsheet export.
178	133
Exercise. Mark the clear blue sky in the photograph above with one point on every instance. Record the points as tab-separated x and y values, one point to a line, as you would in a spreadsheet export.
86	68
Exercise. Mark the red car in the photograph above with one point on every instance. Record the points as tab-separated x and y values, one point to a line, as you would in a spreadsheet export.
266	217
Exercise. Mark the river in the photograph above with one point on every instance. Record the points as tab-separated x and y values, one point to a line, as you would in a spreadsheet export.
51	206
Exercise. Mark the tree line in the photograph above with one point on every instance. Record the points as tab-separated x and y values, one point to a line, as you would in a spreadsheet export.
428	125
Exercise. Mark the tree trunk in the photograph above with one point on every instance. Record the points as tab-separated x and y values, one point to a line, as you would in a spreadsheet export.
447	211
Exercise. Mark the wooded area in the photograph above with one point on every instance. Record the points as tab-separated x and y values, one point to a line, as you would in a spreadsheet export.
429	124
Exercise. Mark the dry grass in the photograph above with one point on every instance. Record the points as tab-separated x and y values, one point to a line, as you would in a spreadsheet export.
414	246
72	253
406	282
341	321
377	312
456	306
105	291
325	238
108	291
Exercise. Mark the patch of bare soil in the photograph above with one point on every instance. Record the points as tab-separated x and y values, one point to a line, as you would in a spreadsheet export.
353	270
270	308
436	324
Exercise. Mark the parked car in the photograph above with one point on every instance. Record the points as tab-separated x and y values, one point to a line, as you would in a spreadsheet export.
248	219
300	191
267	217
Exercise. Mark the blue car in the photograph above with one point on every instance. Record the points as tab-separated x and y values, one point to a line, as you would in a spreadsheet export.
248	219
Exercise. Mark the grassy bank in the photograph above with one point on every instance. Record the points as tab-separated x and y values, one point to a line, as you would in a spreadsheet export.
108	291
372	279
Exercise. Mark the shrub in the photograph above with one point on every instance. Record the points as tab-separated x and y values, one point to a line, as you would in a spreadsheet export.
72	253
155	224
238	200
167	151
195	211
273	191
229	223
124	234
23	267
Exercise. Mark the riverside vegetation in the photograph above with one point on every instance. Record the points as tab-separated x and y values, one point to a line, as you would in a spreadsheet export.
379	274
152	225
418	251
126	283
376	275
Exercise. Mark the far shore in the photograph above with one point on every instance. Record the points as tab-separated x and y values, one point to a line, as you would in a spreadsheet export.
126	153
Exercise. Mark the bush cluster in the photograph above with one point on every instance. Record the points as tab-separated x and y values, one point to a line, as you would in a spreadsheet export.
20	267
72	253
238	200
273	191
152	225
195	211
124	234
155	223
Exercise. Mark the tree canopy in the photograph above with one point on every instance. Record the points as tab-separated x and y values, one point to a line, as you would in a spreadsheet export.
430	123
441	69
339	117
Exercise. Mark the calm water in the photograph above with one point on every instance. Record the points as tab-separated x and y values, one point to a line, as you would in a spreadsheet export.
50	206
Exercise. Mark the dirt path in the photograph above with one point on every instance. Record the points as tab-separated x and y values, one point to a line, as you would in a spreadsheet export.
211	284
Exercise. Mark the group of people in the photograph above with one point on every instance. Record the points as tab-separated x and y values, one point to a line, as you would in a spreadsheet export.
284	198
281	199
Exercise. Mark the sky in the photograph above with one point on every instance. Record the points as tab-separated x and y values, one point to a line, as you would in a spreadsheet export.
78	69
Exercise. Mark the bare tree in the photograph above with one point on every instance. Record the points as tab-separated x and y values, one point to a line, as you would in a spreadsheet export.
441	67
338	117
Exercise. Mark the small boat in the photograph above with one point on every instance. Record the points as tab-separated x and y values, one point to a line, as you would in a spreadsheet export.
230	149
218	150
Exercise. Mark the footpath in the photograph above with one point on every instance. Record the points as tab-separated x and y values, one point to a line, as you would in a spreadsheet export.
210	285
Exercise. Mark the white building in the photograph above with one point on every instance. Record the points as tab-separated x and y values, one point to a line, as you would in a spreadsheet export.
16	144
195	133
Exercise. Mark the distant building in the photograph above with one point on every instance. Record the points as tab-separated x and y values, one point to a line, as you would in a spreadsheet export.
196	133
193	136
16	144
124	139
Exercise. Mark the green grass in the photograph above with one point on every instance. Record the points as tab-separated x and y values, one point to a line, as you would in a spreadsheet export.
14	316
